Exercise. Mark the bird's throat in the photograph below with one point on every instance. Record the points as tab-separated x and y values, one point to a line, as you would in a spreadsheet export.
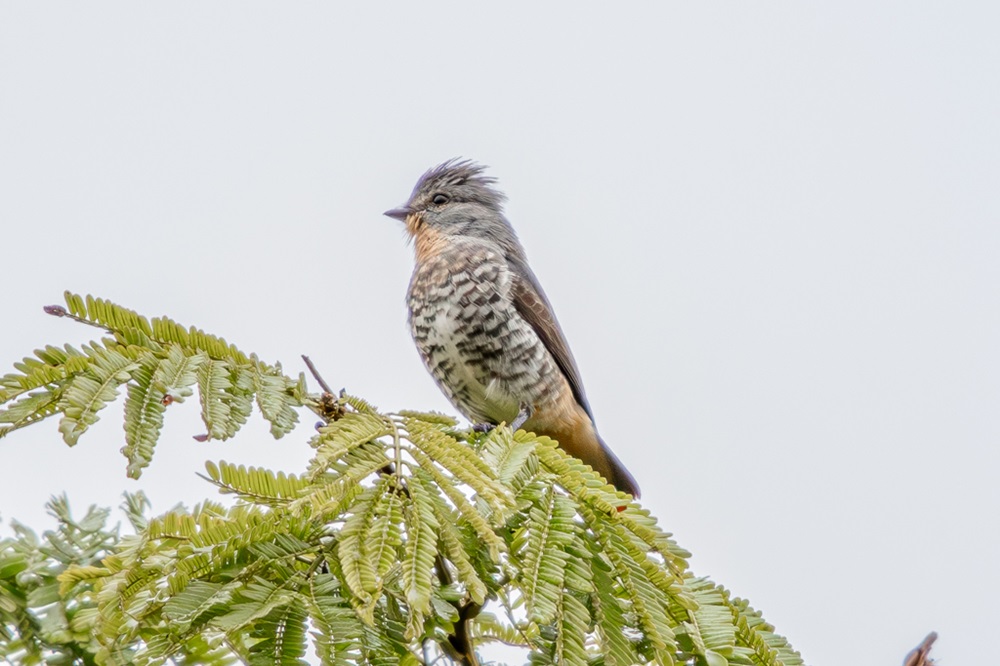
427	241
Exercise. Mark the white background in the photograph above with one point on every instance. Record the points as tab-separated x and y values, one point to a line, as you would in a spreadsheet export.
770	231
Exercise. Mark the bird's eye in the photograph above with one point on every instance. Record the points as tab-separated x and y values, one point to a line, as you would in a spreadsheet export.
440	199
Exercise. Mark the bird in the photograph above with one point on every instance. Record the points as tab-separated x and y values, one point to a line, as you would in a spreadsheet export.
482	324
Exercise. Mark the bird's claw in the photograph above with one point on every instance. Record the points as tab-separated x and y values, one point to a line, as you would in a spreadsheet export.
522	416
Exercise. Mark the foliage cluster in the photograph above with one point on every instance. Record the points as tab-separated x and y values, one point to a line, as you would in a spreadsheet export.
406	540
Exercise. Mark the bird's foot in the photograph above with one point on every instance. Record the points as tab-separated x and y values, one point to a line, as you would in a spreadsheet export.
522	416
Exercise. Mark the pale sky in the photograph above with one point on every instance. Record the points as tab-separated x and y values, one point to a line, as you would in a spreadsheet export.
770	230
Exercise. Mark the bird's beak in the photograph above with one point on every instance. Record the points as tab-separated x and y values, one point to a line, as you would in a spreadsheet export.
400	213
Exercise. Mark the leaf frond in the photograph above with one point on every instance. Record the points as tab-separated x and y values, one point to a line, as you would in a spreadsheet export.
255	484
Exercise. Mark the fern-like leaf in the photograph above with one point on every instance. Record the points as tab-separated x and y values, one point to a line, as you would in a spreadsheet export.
106	313
50	365
489	628
91	390
339	630
275	400
281	637
609	611
756	639
358	568
332	493
468	512
337	439
711	627
572	623
455	550
144	409
541	549
399	532
421	546
30	409
647	601
257	485
464	463
214	385
197	598
506	456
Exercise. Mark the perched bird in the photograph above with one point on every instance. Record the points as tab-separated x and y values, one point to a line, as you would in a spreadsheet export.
482	323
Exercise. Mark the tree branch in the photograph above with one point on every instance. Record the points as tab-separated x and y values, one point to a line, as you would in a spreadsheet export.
921	655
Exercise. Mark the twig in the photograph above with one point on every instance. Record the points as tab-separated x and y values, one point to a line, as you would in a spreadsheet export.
315	373
318	561
921	655
460	640
329	407
60	311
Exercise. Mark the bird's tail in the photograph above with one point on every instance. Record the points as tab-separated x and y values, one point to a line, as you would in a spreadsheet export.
574	430
582	441
617	474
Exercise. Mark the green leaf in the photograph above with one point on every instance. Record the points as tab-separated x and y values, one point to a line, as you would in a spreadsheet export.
274	397
470	515
609	611
214	385
281	637
256	484
505	455
421	546
258	600
357	565
337	439
455	549
198	597
106	313
90	391
339	630
144	410
572	623
30	409
50	365
541	549
463	463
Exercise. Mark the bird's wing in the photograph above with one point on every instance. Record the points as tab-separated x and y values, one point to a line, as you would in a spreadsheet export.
530	302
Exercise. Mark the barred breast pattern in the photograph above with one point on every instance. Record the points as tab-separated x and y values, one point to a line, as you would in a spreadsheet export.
483	355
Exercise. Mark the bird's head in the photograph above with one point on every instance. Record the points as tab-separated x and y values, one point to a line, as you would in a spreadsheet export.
456	199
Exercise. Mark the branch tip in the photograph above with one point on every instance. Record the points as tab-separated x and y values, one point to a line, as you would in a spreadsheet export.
921	655
60	311
315	373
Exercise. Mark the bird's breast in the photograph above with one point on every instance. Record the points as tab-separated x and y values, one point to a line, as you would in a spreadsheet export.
483	355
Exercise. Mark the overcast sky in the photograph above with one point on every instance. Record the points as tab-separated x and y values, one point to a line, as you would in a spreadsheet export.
771	233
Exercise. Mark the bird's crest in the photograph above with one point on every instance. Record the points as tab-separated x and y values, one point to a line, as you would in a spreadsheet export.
462	180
